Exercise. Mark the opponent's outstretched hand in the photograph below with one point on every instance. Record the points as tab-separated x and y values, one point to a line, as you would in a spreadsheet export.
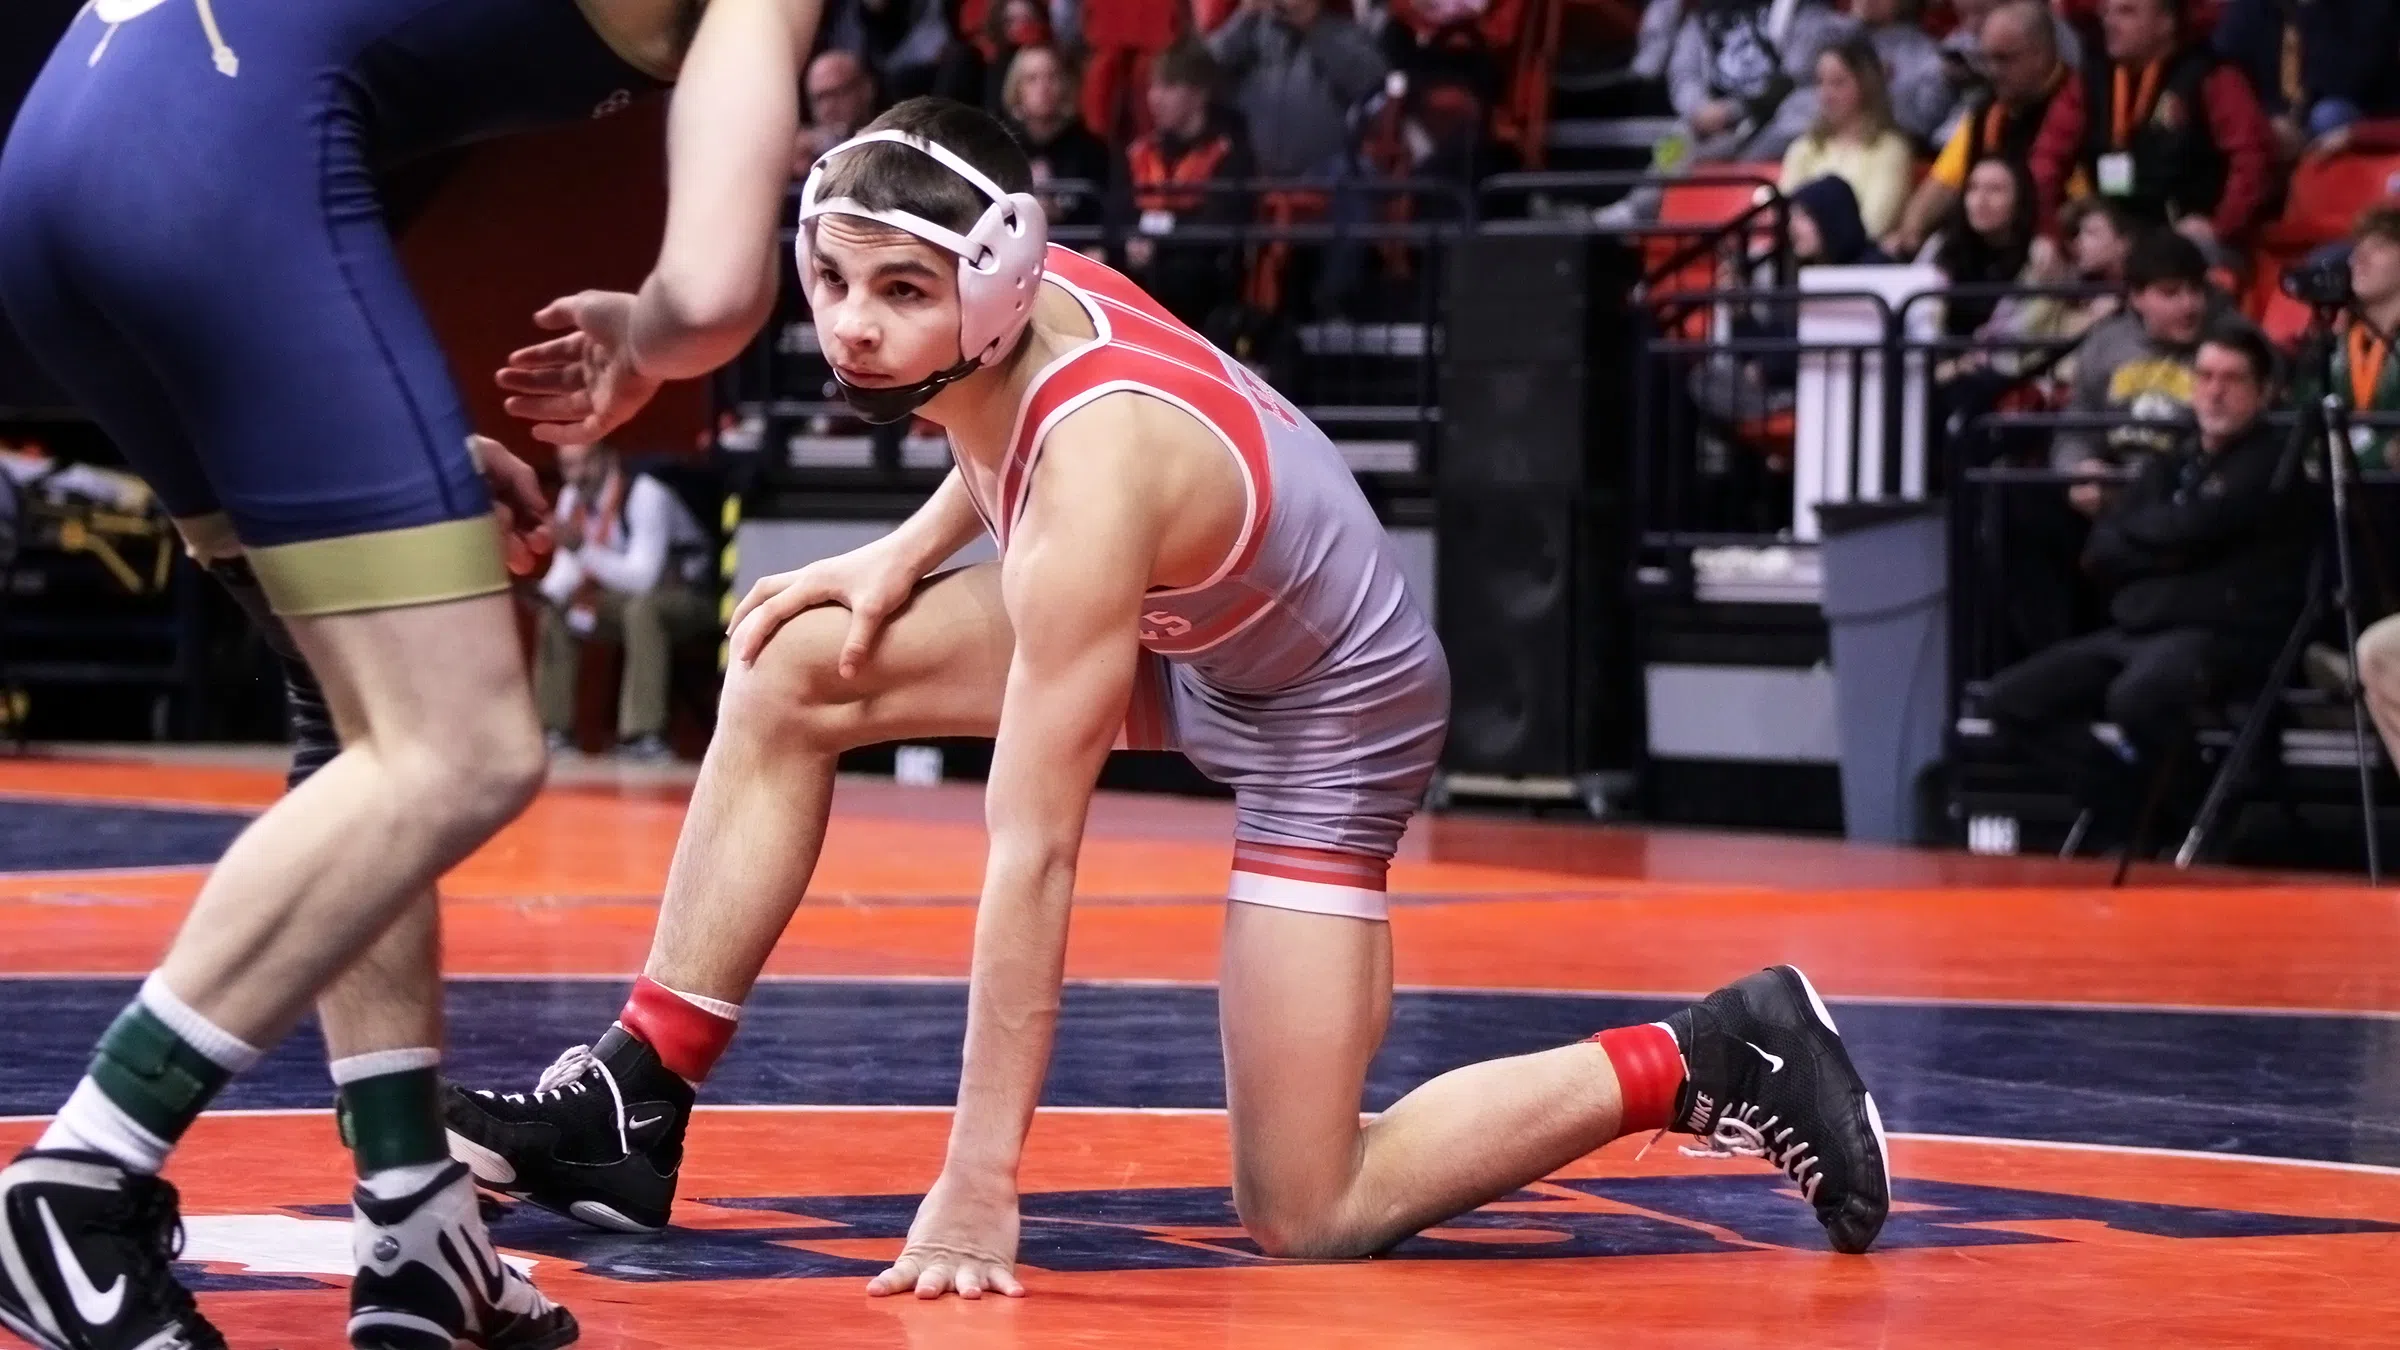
872	582
578	388
964	1242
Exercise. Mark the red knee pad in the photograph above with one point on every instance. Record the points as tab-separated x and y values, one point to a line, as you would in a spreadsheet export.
687	1037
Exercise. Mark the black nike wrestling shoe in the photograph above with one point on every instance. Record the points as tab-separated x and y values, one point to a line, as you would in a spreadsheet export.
1767	1077
428	1278
599	1139
87	1252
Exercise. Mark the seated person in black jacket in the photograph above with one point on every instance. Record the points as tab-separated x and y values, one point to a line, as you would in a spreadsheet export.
2206	553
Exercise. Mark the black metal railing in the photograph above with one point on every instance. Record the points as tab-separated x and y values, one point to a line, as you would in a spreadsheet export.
1704	477
1758	236
1331	290
1715	414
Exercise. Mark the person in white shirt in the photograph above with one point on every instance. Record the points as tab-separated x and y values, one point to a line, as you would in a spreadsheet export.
631	568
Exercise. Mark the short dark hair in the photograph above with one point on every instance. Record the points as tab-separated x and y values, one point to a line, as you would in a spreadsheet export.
2120	220
1188	64
2378	222
2243	339
2160	255
886	177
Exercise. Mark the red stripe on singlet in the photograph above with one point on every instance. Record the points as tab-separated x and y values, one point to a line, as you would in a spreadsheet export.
1151	351
1146	723
1322	867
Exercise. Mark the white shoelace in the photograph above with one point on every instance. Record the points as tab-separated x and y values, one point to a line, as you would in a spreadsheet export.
1741	1133
565	1075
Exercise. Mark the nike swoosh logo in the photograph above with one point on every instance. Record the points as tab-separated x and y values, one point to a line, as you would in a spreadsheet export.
480	1264
644	1122
95	1307
1774	1062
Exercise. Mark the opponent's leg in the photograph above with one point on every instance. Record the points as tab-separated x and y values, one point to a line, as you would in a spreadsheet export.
416	1215
441	763
428	1277
1304	1002
443	755
365	514
601	1135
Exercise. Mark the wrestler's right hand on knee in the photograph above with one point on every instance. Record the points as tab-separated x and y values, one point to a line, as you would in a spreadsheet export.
871	582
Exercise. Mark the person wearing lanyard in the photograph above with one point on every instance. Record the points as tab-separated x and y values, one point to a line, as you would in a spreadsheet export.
2162	126
2019	54
2362	368
2369	379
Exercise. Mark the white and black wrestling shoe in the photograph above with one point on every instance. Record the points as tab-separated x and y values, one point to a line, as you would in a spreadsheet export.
1767	1076
428	1278
87	1253
599	1139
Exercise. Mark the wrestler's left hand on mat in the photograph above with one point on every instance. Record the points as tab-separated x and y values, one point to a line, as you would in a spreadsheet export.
964	1242
578	388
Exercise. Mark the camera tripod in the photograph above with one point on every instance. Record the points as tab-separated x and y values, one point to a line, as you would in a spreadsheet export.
2321	442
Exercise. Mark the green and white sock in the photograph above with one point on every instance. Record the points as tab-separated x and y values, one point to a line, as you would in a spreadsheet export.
390	1112
156	1068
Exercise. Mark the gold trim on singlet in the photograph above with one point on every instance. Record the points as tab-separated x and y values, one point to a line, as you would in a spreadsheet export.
649	35
389	569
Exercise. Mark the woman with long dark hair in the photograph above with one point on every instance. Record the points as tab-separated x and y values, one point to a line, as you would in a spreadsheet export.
1985	242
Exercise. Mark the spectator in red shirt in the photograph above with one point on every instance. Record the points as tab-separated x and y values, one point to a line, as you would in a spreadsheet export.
1120	39
1192	147
2160	125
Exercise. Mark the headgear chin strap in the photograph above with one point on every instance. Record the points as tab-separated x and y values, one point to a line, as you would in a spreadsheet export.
999	269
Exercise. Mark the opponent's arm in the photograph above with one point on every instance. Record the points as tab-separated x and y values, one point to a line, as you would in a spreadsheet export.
729	156
1073	580
729	146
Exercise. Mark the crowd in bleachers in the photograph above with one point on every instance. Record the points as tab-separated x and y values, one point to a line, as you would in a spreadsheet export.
1998	141
2119	184
1154	114
2189	119
2145	171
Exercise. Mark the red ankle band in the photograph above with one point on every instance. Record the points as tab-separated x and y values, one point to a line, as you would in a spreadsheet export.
687	1037
1649	1070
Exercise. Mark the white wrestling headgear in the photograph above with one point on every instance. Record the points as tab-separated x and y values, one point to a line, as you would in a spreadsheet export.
999	268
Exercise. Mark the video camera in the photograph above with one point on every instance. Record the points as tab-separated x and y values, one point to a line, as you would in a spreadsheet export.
2320	284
